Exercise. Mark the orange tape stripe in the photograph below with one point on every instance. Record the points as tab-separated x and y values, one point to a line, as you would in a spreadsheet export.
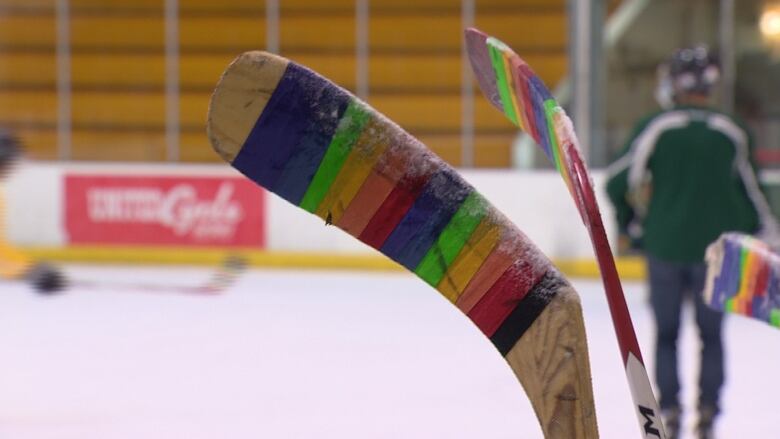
469	260
502	257
364	155
365	204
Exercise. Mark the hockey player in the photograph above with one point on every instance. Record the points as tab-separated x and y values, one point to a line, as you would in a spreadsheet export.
14	264
684	177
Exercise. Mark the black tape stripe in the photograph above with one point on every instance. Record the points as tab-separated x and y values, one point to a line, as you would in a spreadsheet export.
527	310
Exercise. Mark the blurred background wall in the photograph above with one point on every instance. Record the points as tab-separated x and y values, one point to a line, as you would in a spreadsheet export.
129	80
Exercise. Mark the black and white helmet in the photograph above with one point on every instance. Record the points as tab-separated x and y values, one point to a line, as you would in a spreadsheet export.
692	70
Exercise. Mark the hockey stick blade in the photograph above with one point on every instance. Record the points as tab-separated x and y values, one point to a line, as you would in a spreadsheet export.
512	87
324	150
743	277
225	276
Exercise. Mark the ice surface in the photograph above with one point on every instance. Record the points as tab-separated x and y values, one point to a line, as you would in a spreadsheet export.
291	354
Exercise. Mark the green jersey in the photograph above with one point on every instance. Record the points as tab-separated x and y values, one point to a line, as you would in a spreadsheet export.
686	175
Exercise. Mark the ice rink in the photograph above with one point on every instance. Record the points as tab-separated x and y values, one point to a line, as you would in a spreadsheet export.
313	354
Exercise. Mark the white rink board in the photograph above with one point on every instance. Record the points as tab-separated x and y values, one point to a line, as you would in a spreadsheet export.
537	201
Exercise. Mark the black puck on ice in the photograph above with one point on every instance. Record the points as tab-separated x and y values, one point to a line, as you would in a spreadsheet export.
46	279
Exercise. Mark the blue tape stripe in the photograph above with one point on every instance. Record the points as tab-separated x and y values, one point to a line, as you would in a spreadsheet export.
303	165
428	216
539	94
773	288
293	132
727	284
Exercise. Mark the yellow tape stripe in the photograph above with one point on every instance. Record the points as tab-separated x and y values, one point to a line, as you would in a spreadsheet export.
361	161
748	281
471	257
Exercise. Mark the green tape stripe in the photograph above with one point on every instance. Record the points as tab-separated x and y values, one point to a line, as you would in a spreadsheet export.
774	317
349	129
549	111
502	82
729	305
451	240
743	256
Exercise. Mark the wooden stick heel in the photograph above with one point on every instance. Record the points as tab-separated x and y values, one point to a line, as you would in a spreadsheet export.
321	148
546	358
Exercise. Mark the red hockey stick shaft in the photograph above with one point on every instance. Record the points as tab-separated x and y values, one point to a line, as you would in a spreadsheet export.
621	318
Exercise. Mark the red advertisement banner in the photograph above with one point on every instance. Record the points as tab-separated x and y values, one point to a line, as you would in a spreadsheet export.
164	210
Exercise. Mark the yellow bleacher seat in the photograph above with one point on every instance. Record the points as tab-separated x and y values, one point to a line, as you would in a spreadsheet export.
414	32
28	32
91	145
28	68
436	112
312	31
28	107
233	33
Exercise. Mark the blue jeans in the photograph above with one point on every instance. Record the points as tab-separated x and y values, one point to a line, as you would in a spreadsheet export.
670	284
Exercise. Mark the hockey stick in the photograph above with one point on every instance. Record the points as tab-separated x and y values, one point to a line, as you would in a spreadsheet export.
319	147
743	277
511	86
226	274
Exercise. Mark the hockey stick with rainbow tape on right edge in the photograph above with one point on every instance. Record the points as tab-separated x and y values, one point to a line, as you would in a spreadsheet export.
743	277
324	150
512	87
221	279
